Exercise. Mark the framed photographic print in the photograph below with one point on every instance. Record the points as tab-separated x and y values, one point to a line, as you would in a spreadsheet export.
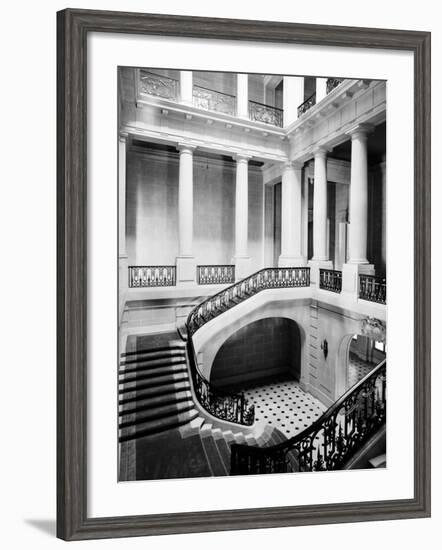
235	198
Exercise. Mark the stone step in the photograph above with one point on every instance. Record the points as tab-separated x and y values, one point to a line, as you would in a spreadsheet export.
159	400
152	374
128	418
138	366
152	355
178	345
157	426
157	381
156	391
213	456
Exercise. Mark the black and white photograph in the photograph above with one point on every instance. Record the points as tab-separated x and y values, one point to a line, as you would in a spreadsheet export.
252	298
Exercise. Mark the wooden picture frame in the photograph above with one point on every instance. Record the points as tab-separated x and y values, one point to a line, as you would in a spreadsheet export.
73	27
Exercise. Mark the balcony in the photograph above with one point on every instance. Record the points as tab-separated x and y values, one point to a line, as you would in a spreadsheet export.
373	289
159	86
265	113
332	83
211	100
330	280
308	104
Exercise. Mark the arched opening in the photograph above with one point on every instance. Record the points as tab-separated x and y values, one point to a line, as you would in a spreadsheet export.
364	354
263	351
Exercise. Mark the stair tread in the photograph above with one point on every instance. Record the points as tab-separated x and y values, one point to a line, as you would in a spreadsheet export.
154	373
155	391
213	456
152	355
136	366
156	413
156	426
159	400
157	381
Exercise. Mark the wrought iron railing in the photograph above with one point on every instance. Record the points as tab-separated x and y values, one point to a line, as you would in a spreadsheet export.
330	442
152	276
272	277
373	289
211	100
158	85
330	279
308	104
265	113
229	407
215	274
332	83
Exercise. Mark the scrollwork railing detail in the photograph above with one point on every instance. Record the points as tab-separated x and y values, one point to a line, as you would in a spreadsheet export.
152	276
332	83
215	274
373	289
211	100
158	85
308	104
265	113
279	277
330	442
330	279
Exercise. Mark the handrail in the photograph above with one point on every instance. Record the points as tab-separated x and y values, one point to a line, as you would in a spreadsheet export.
145	71
228	407
271	277
361	419
233	408
212	90
265	105
308	103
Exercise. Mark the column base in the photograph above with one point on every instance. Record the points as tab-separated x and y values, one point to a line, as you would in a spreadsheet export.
315	266
185	271
291	261
242	267
350	277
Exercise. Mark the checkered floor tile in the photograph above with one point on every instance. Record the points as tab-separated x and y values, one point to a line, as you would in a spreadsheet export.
284	405
357	369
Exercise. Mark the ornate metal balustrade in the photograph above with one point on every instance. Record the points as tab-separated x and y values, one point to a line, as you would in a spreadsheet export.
373	289
330	279
274	277
308	104
230	407
152	276
211	100
341	431
332	83
265	113
161	86
215	274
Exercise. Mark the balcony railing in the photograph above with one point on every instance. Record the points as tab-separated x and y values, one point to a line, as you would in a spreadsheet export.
152	276
332	83
330	279
373	289
265	113
211	100
158	85
331	441
215	274
308	104
282	277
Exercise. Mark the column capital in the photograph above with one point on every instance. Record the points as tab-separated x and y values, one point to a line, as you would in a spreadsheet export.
185	147
292	165
242	157
360	131
320	152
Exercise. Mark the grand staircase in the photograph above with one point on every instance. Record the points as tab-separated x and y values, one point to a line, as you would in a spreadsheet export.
158	419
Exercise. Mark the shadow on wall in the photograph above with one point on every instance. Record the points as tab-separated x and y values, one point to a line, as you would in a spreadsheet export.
265	349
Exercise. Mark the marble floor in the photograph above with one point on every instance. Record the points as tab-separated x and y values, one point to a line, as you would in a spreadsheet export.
283	404
357	369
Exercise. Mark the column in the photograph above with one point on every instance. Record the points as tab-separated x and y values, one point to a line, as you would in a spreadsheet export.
384	212
186	266
186	87
321	89
241	258
292	97
357	262
242	95
320	249
291	216
123	263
